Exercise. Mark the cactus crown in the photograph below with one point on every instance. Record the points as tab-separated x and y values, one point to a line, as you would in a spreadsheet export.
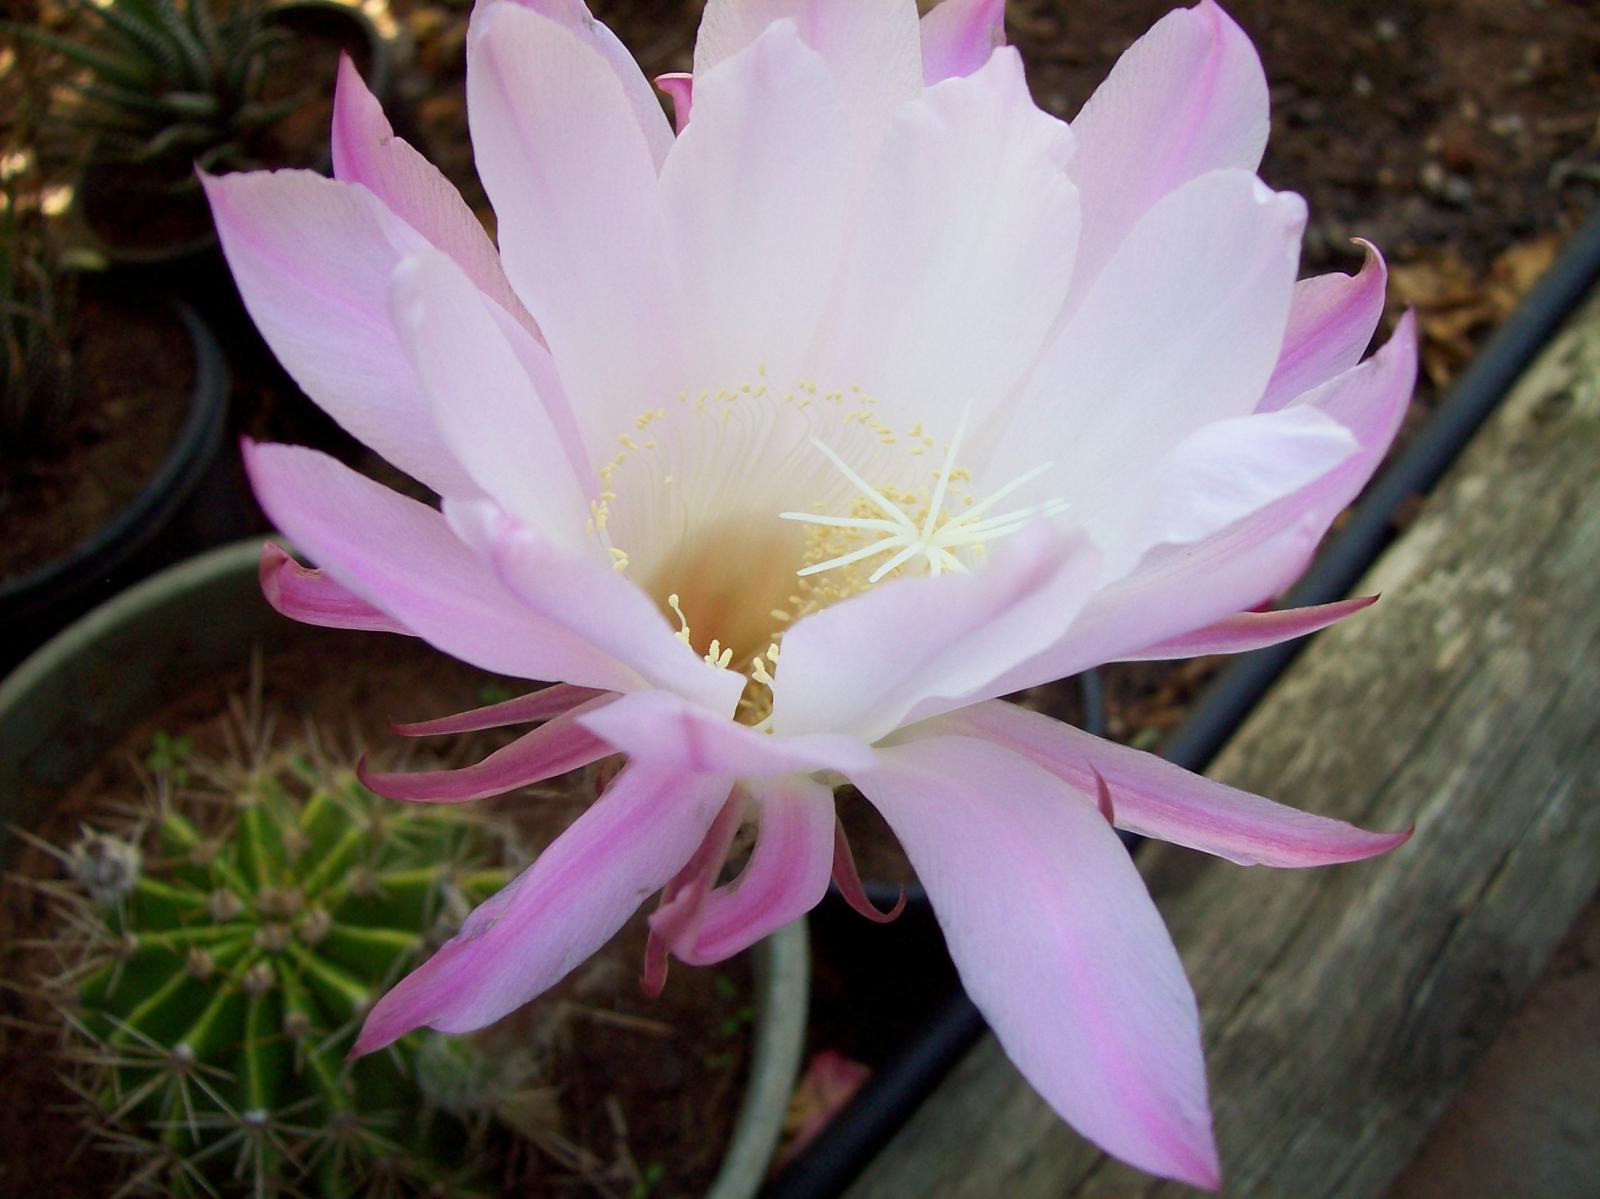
227	945
168	81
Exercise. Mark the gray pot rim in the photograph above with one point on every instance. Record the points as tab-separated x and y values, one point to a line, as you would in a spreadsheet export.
782	961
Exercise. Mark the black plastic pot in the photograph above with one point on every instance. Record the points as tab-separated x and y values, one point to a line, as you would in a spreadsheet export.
893	1093
35	605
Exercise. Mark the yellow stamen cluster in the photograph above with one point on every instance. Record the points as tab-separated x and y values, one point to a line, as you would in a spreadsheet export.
886	532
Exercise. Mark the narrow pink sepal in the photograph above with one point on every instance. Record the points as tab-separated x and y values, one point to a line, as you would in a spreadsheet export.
311	597
1156	799
558	911
1252	630
549	750
677	918
1102	797
958	36
1331	321
786	877
679	88
524	709
659	727
848	879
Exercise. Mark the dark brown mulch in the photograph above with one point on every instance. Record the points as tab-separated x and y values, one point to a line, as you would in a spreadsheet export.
131	382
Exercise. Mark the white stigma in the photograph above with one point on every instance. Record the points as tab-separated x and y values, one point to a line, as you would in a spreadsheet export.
935	542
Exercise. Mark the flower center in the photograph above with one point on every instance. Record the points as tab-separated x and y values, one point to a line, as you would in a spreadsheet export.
743	510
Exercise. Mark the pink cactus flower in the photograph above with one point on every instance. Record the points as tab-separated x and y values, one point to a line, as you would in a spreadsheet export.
789	441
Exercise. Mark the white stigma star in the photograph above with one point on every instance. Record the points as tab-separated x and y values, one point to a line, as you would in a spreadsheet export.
934	541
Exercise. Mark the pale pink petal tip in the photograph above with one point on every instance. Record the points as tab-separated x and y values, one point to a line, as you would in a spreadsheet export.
310	597
958	36
523	709
1331	323
550	750
848	879
1253	630
679	88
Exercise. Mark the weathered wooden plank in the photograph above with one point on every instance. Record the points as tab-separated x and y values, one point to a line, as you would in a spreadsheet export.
1343	1006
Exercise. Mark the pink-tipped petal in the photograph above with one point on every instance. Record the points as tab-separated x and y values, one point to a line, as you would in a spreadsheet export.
960	253
573	182
1157	799
911	640
493	417
1058	944
1187	98
312	258
1178	588
1251	630
786	877
542	704
1207	276
735	219
575	16
403	559
548	751
311	597
366	151
659	728
1331	322
872	47
558	911
848	879
679	88
958	36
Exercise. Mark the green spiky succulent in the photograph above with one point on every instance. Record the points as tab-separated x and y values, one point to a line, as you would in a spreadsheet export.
230	943
169	82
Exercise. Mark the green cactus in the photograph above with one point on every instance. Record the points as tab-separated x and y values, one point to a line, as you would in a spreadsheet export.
230	943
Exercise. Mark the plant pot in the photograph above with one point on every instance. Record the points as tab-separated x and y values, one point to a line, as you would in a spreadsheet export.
36	603
78	696
154	214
